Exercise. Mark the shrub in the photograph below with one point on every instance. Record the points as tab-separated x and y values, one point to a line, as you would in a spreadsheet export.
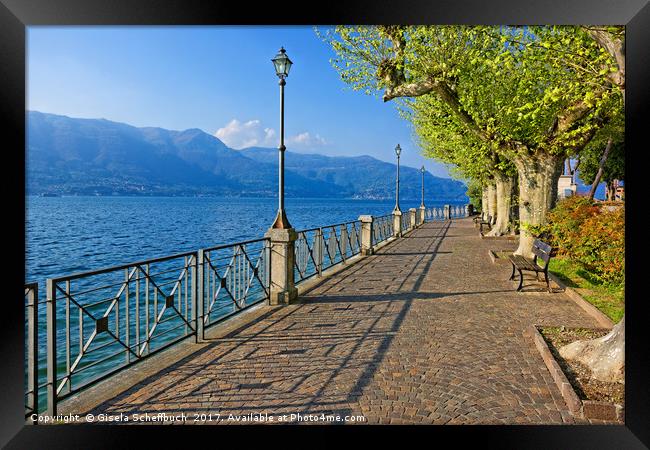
594	238
600	246
564	222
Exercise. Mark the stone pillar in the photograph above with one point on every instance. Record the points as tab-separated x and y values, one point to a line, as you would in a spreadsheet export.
283	287
413	215
421	212
397	223
366	235
447	216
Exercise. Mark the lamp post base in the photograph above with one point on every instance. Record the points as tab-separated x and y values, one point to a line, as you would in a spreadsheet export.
282	283
281	222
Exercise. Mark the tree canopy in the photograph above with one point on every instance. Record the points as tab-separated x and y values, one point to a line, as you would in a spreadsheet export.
523	89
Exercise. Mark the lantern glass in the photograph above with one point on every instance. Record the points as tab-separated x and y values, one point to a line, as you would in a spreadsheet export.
282	63
398	150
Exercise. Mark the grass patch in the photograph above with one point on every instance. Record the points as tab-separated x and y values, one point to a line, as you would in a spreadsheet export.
610	299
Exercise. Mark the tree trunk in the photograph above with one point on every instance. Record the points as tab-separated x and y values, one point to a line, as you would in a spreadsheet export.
609	191
538	178
484	203
492	202
504	185
605	356
601	166
514	206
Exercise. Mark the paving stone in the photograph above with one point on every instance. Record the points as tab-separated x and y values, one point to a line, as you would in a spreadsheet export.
427	330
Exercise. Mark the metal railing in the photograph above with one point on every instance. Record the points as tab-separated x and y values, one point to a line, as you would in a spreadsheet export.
31	350
318	249
406	221
382	228
99	322
232	278
102	321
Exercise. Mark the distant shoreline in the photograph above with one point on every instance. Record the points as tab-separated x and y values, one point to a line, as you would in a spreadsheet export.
225	197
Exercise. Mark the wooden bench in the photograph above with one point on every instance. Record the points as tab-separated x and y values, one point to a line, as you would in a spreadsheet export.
542	251
487	222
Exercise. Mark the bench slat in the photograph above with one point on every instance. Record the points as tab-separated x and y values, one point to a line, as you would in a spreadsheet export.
525	263
543	246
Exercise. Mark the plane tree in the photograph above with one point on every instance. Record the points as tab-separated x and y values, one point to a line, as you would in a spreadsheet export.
442	136
603	159
509	87
604	356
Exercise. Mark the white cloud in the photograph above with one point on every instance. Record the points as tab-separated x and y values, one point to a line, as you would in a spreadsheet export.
307	140
238	135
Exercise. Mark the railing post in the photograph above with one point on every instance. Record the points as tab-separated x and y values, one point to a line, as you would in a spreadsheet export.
469	210
412	218
282	284
397	223
343	241
319	245
32	348
447	216
421	213
51	347
366	235
197	307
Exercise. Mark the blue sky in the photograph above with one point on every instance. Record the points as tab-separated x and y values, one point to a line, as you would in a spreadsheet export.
218	79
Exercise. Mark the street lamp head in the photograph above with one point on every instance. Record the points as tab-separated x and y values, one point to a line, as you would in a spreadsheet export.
282	63
398	150
422	169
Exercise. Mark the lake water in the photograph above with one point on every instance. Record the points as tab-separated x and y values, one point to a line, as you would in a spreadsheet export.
66	235
72	234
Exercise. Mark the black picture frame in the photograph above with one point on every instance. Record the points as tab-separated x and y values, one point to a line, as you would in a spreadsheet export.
16	15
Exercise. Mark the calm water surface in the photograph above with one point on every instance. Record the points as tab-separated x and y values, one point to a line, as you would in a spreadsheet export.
65	235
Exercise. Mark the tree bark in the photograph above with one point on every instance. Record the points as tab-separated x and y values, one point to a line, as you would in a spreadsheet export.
604	356
492	202
484	203
538	178
514	206
609	191
615	47
601	167
504	186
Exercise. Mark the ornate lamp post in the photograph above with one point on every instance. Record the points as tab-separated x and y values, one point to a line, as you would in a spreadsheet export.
422	170
422	207
282	64
281	252
398	151
397	214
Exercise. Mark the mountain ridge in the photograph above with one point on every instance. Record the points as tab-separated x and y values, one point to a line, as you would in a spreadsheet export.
78	156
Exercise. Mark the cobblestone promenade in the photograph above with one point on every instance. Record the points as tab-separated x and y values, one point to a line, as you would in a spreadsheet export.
428	331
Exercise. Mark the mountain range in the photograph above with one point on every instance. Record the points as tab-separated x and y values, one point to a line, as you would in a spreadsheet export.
71	156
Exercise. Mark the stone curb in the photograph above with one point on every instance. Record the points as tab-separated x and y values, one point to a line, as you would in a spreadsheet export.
590	309
568	394
585	409
498	238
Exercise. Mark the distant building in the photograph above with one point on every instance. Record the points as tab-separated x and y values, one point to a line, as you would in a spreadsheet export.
619	190
566	187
